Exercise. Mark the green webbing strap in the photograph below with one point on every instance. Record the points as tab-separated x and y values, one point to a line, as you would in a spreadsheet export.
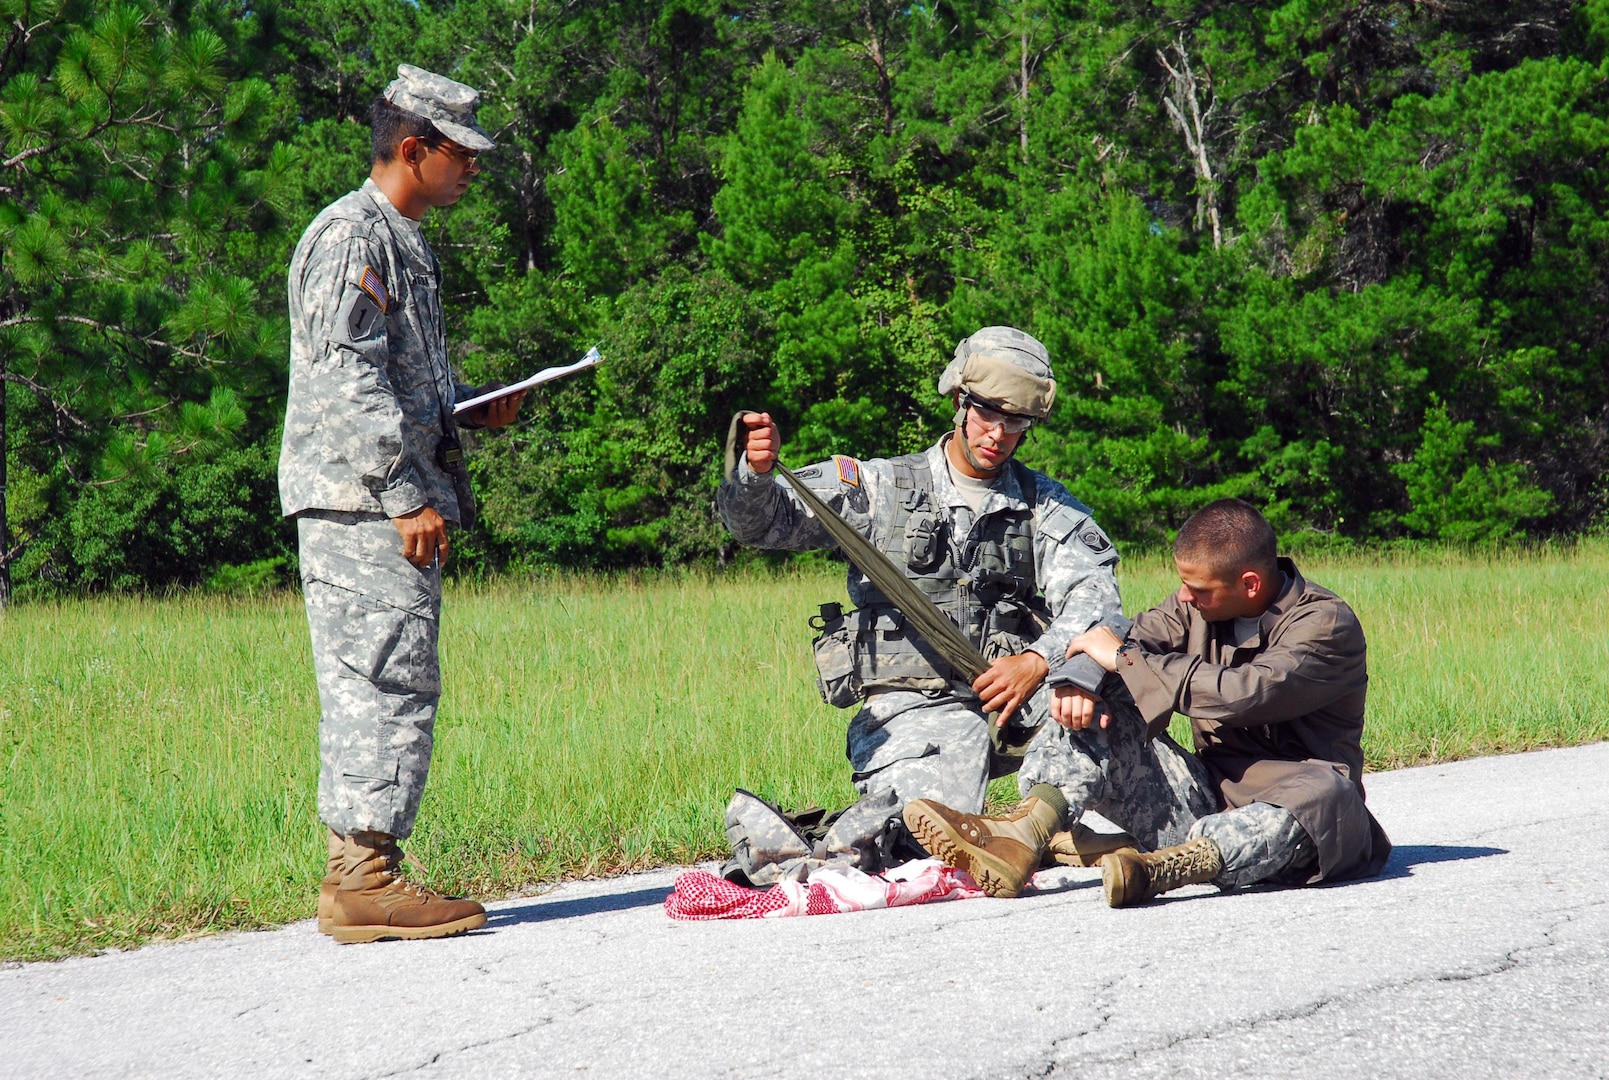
923	614
935	627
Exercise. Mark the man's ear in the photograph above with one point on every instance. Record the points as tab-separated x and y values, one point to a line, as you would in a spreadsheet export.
1252	584
410	150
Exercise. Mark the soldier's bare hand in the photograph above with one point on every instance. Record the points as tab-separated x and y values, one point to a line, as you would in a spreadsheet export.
1076	709
1009	682
1099	643
498	413
764	441
424	537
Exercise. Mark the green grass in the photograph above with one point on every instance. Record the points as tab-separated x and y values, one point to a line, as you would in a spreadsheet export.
161	754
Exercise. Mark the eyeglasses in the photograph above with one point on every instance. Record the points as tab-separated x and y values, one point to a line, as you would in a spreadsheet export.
470	158
1010	423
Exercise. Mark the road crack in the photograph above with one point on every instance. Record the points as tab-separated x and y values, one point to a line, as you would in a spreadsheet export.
1055	1063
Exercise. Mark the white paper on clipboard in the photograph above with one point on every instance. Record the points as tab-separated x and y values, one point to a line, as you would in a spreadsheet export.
592	359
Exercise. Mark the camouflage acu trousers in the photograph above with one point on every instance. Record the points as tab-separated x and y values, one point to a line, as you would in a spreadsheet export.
1161	795
373	618
1259	842
904	746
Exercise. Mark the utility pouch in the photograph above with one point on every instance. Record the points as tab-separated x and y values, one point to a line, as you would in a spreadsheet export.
1011	628
834	648
924	535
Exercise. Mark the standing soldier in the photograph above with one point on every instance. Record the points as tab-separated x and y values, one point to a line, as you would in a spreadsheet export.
1006	552
372	470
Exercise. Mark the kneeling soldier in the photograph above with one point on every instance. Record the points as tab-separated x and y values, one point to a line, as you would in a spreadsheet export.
1005	551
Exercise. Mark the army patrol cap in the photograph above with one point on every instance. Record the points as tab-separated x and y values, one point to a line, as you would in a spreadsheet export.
1005	368
447	104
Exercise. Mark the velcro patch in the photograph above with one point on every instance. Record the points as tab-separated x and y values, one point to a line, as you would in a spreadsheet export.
1095	540
360	317
848	470
370	283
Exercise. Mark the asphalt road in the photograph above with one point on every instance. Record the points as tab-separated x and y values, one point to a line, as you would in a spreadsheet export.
1483	951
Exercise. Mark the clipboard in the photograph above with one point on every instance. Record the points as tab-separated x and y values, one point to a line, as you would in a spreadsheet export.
592	359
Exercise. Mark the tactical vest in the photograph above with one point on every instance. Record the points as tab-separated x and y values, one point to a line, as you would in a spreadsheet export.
984	582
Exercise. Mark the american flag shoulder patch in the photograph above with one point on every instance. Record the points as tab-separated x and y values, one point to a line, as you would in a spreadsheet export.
370	283
848	470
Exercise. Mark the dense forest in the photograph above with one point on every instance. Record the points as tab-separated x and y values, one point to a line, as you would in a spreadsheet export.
1346	258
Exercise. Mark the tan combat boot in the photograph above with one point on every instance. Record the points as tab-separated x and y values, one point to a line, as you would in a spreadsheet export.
375	902
332	878
1000	853
1131	879
1083	846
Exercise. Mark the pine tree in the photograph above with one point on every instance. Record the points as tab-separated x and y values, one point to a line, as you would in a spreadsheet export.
137	199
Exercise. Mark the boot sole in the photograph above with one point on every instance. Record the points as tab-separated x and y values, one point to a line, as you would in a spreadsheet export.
326	903
1117	884
358	935
934	835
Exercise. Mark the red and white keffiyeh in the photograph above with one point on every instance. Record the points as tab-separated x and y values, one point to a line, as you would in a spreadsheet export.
701	895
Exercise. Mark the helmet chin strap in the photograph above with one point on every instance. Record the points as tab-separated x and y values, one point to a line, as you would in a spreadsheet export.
966	451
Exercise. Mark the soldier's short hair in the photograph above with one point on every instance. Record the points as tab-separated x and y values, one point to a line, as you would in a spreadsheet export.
1228	537
389	125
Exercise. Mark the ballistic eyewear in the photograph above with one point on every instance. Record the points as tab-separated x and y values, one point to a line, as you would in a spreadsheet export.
1010	423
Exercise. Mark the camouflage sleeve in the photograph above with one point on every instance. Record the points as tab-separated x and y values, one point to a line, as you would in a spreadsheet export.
343	302
761	510
1076	565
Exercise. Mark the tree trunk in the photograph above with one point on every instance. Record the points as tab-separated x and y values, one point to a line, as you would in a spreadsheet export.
1184	105
1022	91
885	81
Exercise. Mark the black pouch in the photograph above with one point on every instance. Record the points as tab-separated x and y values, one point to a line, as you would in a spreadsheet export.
449	454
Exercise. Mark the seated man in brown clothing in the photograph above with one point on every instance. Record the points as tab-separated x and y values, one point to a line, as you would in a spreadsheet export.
1271	670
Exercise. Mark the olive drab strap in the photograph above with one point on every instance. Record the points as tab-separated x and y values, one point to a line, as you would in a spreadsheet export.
924	615
935	627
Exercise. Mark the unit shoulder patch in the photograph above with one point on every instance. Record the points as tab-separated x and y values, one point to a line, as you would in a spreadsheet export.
360	317
1095	540
848	470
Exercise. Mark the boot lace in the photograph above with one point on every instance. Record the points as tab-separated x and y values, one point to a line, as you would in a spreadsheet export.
1181	864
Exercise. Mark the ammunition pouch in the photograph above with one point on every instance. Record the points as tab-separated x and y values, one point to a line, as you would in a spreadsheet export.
1011	626
835	657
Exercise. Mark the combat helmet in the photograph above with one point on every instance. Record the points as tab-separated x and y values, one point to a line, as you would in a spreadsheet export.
1004	368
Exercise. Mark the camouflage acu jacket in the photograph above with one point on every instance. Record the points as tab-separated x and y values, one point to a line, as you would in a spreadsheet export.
1074	562
371	392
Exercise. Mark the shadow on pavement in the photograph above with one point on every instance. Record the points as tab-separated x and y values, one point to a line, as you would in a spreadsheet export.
1404	857
535	910
1055	883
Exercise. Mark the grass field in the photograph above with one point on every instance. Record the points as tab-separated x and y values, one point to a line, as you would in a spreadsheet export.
161	755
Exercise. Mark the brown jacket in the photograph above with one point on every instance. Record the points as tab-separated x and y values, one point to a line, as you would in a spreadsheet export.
1278	719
